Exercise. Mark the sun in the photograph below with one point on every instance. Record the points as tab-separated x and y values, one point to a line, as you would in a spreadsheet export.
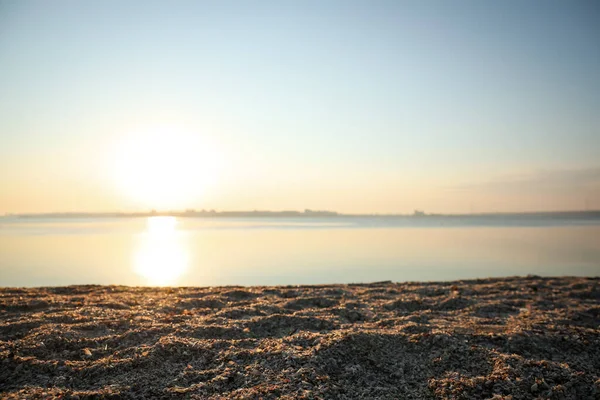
165	167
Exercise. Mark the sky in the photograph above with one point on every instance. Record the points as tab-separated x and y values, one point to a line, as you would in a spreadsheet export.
353	106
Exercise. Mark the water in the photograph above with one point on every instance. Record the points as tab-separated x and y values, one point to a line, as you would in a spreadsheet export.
269	251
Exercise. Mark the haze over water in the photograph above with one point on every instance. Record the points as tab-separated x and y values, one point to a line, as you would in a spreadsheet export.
268	251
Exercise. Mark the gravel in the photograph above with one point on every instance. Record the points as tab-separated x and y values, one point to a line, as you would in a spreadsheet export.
511	338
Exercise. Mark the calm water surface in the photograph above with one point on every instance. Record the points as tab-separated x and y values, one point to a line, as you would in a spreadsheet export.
268	251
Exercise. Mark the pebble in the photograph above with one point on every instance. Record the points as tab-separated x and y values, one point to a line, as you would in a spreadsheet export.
534	388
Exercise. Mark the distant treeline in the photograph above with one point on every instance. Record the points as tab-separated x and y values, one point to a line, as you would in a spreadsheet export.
311	213
186	213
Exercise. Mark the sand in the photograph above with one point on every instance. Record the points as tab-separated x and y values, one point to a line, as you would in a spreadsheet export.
519	338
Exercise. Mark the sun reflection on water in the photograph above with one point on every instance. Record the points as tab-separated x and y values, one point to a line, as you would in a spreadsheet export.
161	257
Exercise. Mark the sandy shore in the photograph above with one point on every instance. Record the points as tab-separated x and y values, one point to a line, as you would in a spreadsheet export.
521	337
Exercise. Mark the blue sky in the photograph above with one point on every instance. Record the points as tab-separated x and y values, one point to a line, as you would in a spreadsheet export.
378	106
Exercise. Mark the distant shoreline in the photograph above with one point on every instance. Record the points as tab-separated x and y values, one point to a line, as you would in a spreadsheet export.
590	214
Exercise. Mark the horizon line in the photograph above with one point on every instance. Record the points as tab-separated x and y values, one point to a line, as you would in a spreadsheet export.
306	212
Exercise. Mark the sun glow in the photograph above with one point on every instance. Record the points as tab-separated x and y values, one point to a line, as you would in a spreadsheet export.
165	168
161	257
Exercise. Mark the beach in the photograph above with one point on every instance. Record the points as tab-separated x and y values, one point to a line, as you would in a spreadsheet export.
518	337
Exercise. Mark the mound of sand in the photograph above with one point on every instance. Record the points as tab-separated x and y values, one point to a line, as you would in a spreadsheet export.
494	338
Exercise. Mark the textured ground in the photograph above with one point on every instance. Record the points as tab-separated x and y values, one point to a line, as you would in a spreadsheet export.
494	338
